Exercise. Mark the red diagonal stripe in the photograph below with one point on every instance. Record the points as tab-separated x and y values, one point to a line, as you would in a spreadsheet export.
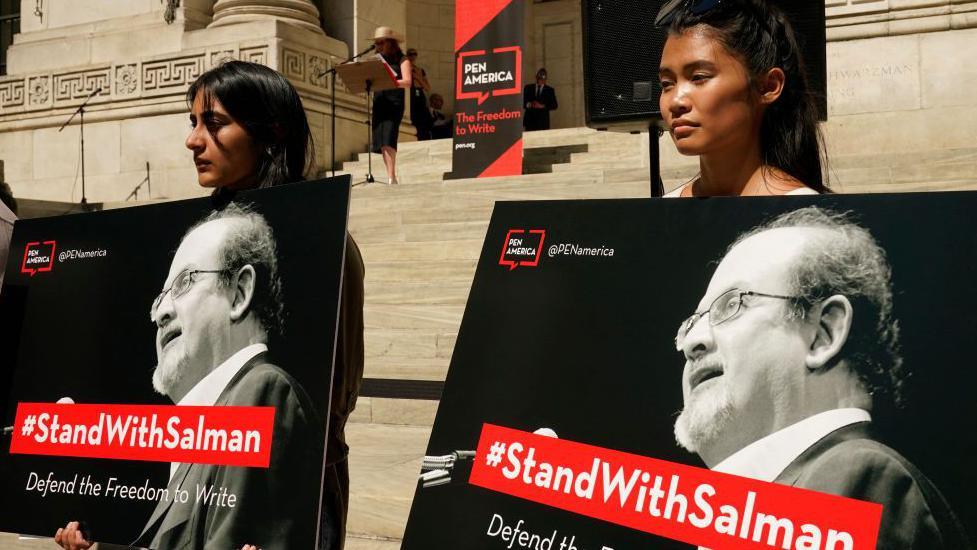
471	16
508	164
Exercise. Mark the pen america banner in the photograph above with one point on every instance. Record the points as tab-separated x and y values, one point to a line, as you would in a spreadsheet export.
167	369
755	373
489	38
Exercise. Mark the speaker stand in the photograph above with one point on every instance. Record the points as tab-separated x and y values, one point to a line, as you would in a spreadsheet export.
654	160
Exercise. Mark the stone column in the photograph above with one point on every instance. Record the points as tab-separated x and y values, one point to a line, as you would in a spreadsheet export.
301	13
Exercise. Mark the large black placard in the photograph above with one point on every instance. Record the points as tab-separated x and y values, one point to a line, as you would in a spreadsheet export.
570	327
76	323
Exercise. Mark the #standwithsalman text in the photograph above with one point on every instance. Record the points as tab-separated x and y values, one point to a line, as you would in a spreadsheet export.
676	501
232	436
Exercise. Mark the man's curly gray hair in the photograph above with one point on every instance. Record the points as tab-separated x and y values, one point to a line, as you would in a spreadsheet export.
843	258
251	241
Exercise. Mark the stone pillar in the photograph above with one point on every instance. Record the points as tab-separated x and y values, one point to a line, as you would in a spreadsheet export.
301	13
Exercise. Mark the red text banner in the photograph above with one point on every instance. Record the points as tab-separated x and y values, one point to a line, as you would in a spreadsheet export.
680	502
231	436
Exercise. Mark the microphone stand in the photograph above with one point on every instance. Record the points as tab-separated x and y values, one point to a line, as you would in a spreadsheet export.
654	160
332	84
145	181
81	112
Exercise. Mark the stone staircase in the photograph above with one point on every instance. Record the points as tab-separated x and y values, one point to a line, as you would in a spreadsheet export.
420	241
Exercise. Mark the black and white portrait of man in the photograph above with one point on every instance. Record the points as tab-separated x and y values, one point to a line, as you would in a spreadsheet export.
791	350
220	304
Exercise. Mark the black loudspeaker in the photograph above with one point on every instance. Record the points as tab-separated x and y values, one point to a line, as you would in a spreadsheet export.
622	50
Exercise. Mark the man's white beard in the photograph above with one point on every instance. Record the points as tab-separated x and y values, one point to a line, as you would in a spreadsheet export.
166	375
704	419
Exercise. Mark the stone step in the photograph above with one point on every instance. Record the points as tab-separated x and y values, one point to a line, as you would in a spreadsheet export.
407	368
546	138
11	541
417	293
935	185
400	412
423	252
384	463
363	219
411	342
445	270
364	543
630	161
904	174
422	232
422	316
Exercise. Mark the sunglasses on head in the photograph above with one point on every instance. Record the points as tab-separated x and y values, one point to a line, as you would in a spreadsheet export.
671	9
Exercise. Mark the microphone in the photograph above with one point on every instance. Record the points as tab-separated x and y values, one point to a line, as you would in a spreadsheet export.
93	94
7	430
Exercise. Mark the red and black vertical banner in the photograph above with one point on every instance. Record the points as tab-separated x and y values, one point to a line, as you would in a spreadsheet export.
489	39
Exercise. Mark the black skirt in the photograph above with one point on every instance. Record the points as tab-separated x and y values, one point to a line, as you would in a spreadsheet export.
388	112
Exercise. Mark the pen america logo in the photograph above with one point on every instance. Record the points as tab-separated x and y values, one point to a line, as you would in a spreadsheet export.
522	248
482	73
38	257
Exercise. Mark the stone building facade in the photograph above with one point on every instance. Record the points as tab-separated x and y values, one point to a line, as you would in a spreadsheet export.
900	79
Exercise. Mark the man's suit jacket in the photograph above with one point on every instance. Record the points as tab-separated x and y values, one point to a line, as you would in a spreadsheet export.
850	463
276	507
538	119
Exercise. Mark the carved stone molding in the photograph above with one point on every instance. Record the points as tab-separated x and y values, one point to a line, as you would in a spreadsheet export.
76	86
853	19
293	64
132	80
317	65
39	88
301	13
838	8
255	54
12	93
127	79
218	56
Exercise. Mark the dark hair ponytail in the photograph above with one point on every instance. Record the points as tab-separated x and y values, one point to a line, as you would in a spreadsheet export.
760	35
269	109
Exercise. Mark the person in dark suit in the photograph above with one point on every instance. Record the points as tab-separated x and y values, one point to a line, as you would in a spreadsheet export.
782	374
538	99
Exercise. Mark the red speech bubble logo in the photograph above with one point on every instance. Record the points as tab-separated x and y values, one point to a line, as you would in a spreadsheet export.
38	257
477	78
522	248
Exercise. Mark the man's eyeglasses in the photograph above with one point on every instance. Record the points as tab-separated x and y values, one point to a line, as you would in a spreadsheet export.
697	7
181	284
722	309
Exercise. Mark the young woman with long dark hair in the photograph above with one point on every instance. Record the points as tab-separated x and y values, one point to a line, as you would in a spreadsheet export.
248	130
734	92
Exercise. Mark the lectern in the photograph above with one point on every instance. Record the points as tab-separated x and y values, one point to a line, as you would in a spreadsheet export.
368	76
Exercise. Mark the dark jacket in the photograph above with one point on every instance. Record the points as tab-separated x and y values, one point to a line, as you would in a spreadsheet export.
850	463
272	508
538	119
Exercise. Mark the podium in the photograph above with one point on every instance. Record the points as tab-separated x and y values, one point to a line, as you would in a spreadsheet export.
368	76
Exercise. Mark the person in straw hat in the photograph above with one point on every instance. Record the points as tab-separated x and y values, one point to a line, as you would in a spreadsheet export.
388	105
